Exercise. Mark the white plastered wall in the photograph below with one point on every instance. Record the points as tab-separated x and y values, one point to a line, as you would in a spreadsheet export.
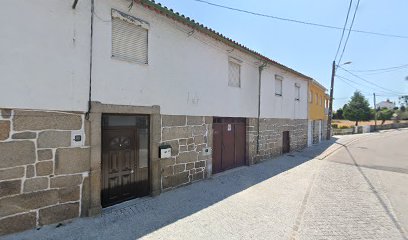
44	60
44	64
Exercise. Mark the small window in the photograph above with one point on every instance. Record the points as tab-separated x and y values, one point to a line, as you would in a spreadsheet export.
278	85
317	99
297	92
321	101
310	96
234	74
129	38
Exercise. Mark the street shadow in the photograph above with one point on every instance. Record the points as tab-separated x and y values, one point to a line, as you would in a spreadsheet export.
139	217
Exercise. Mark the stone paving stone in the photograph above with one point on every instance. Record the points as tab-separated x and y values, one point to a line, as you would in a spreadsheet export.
343	205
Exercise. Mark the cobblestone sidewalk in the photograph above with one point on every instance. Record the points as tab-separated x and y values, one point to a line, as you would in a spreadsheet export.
297	196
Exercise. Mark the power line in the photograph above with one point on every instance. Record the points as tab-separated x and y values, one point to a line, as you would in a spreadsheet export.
359	84
388	90
299	21
382	69
344	28
346	81
348	35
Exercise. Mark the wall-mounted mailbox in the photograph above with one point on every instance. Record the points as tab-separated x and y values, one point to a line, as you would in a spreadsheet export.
165	151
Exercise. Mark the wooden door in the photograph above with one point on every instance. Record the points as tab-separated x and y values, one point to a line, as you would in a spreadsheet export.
125	172
240	144
229	143
228	146
217	148
285	142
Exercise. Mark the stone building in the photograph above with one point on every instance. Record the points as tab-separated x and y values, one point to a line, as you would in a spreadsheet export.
101	104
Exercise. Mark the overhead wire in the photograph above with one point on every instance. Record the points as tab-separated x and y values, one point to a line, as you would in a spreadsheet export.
348	35
382	69
344	28
365	80
300	21
347	81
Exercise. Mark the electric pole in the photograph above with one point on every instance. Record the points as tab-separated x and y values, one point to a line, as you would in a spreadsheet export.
375	114
329	115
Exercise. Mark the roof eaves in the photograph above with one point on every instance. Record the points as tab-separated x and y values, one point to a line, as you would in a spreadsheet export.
157	7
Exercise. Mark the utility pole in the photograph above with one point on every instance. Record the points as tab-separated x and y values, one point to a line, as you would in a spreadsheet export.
375	114
329	115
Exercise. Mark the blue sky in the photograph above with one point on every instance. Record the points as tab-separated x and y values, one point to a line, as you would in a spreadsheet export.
311	50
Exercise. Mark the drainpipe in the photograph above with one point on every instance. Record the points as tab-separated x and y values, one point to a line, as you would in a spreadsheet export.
261	68
90	62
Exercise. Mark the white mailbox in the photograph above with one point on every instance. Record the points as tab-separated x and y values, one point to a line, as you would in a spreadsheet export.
165	151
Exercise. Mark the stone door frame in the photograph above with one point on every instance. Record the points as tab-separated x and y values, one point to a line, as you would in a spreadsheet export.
97	109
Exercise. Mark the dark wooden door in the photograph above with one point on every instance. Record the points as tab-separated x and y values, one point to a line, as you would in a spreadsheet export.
285	142
229	143
228	146
125	172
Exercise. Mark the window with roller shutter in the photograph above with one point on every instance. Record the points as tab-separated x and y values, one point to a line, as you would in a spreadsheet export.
129	38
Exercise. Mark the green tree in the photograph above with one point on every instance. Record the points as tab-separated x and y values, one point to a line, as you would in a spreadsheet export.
358	108
384	114
339	113
404	100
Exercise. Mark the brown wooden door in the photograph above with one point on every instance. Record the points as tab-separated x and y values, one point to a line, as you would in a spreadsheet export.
285	142
229	143
125	172
228	146
217	148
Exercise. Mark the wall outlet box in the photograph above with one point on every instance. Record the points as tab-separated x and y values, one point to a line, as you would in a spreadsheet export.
207	151
165	151
77	138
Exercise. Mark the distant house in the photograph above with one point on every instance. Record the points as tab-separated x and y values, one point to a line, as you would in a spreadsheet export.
385	104
318	105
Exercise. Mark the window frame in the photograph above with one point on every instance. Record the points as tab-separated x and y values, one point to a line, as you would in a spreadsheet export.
237	62
279	78
297	92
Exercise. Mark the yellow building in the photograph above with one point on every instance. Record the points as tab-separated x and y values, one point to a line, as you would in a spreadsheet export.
318	105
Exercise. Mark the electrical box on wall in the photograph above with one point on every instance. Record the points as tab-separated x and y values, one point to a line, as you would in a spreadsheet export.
77	139
207	151
165	151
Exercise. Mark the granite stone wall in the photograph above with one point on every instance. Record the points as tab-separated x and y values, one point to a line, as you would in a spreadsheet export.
270	137
43	179
188	136
315	131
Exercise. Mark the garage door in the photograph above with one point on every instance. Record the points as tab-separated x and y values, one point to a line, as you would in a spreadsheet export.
229	140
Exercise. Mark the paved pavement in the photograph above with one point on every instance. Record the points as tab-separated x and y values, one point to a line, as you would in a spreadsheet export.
304	195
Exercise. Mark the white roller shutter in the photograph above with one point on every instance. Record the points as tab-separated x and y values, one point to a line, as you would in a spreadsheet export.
129	41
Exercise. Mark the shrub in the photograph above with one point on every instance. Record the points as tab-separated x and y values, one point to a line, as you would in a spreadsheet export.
344	127
335	126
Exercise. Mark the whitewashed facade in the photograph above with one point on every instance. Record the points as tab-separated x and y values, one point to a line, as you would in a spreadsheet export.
61	79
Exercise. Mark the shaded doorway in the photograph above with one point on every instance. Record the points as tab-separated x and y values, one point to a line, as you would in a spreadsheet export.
285	142
125	158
